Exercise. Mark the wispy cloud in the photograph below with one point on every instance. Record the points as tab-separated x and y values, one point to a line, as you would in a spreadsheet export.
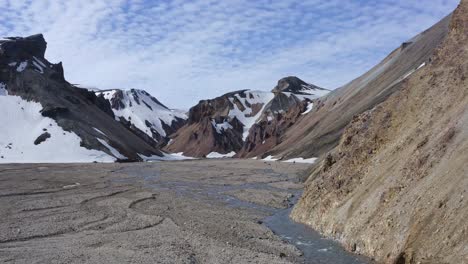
184	51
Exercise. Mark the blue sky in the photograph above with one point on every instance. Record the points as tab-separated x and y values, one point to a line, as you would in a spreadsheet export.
185	51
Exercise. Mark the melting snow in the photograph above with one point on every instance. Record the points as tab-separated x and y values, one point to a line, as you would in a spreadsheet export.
310	106
408	74
166	157
216	155
23	123
3	90
38	67
270	158
301	160
114	151
22	66
252	97
221	127
99	131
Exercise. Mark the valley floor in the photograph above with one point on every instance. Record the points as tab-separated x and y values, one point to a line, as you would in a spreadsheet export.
205	211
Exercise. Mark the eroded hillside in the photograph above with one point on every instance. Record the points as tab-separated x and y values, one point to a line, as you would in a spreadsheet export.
396	186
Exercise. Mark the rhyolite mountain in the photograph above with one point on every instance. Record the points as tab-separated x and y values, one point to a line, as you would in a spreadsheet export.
224	124
45	118
141	112
319	131
395	186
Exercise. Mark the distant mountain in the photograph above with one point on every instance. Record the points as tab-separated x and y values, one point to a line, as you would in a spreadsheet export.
140	111
46	119
319	131
224	124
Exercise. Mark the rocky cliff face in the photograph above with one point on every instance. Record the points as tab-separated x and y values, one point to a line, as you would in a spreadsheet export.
396	186
26	76
238	121
144	114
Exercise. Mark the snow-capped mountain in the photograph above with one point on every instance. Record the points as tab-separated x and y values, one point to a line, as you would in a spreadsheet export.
27	136
138	109
46	119
223	124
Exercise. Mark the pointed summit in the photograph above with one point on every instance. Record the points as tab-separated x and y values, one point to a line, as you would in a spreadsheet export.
293	84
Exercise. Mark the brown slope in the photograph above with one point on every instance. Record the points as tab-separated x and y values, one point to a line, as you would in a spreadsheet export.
319	131
396	186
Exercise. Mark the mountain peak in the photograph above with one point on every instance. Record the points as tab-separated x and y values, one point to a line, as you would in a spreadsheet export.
23	48
294	85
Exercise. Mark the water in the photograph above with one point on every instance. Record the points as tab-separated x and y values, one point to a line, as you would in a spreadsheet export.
315	248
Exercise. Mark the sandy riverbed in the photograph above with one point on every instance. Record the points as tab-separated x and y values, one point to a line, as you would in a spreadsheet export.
165	212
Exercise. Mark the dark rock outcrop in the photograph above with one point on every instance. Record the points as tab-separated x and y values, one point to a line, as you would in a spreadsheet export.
23	48
43	137
26	73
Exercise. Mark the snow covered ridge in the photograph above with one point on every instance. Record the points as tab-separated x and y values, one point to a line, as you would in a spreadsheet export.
243	108
29	137
144	111
249	106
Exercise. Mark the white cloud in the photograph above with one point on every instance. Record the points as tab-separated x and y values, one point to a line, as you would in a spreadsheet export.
184	51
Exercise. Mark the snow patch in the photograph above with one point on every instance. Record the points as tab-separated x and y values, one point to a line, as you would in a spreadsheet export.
301	160
22	66
166	157
216	155
99	131
3	91
38	67
24	124
220	128
309	108
114	151
245	117
270	158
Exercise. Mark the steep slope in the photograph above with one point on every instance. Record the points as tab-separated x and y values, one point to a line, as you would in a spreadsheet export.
396	186
319	131
223	124
140	111
47	99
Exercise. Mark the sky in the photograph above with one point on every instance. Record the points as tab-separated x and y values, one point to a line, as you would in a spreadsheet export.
183	51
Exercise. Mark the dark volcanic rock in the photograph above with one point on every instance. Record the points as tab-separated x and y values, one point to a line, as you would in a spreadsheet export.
53	111
23	48
293	84
26	73
43	137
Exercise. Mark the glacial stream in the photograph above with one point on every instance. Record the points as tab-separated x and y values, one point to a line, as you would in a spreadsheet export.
315	248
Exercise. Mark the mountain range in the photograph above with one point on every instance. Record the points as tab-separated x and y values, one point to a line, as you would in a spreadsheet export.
391	145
